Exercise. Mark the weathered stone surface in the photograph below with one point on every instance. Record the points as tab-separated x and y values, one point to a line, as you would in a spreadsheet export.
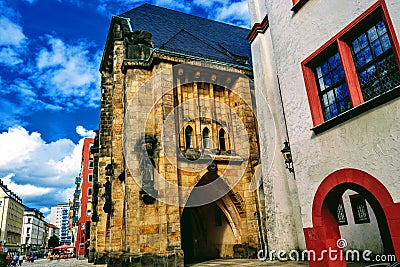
137	232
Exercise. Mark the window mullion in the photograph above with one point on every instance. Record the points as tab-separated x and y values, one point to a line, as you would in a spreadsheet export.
350	73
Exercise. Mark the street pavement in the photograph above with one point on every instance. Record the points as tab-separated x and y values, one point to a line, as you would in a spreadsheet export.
258	263
250	262
213	263
72	262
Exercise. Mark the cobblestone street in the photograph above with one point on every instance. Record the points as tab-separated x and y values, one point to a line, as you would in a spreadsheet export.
61	263
212	263
248	262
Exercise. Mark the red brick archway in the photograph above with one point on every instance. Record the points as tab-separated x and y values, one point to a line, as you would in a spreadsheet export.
325	231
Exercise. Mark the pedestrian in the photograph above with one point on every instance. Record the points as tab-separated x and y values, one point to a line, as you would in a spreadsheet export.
32	257
8	258
20	259
15	260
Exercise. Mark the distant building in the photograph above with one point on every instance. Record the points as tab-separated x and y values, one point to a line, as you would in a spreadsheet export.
11	216
82	206
59	217
34	232
52	230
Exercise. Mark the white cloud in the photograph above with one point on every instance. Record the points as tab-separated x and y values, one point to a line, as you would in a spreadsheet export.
83	132
10	56
233	12
17	145
69	73
10	33
209	3
173	4
12	42
44	210
25	190
43	174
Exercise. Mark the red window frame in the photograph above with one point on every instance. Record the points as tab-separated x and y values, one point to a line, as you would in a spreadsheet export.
297	4
339	42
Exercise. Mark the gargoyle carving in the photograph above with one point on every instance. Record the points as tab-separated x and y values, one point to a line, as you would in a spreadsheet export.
138	45
139	37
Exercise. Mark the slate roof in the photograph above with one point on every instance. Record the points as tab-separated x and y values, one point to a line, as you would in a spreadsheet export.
191	35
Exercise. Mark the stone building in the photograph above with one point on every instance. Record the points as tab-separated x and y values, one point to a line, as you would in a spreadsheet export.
330	73
11	214
177	145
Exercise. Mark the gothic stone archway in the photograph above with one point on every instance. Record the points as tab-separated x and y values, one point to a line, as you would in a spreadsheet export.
212	230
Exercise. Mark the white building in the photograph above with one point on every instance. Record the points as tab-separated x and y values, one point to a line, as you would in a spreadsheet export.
330	73
34	232
53	230
59	216
11	213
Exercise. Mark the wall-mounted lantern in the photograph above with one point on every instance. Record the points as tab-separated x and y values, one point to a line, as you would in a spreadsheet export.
287	156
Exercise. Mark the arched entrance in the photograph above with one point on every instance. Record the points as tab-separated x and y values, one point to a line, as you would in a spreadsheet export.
325	233
210	231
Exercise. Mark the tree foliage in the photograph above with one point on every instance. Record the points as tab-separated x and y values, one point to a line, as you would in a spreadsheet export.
54	241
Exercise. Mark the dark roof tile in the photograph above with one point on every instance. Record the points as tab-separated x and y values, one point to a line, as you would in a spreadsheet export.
192	35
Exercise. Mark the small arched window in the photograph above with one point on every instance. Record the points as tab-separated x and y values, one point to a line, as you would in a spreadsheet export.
206	138
222	145
189	137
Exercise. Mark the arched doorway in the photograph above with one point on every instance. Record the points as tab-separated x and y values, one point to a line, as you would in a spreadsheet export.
325	233
209	231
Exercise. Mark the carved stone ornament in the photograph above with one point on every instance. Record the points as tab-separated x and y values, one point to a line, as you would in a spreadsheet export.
212	167
138	45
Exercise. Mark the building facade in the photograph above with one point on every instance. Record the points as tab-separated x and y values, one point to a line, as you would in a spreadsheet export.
59	216
11	214
177	144
52	230
83	200
330	73
34	232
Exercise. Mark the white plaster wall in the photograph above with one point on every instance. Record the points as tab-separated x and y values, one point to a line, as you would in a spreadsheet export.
284	226
369	142
364	236
257	10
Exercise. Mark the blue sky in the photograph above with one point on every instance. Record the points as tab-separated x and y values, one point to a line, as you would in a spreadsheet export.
50	52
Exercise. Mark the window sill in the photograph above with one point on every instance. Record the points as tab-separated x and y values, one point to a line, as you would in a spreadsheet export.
298	5
354	112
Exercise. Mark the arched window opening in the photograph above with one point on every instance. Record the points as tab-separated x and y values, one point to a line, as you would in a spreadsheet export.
189	137
206	138
222	145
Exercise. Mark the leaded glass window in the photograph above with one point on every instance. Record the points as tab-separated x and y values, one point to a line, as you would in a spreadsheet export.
333	91
222	145
189	137
206	138
341	214
360	210
376	65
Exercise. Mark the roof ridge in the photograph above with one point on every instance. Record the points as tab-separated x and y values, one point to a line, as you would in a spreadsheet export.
181	12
